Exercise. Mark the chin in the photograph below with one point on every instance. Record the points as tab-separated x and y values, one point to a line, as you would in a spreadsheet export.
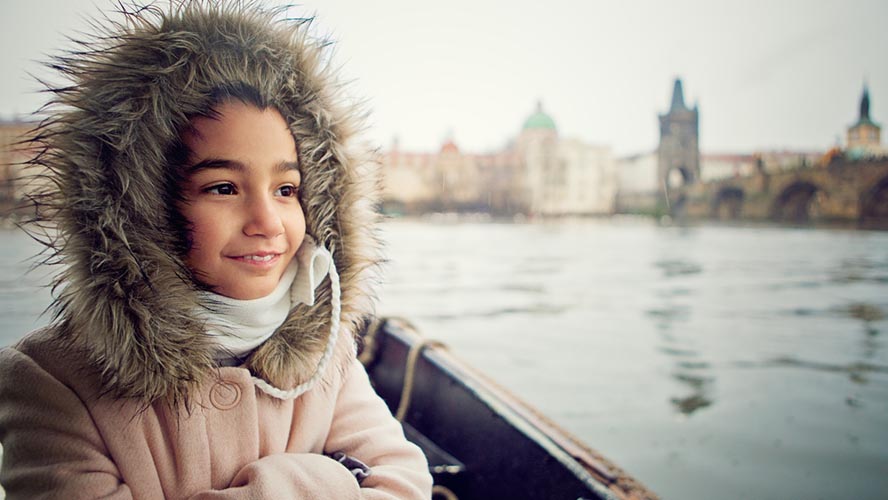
241	293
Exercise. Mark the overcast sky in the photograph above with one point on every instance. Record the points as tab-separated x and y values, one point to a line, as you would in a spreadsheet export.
766	74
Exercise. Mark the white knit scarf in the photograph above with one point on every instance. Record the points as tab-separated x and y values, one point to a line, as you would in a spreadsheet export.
240	326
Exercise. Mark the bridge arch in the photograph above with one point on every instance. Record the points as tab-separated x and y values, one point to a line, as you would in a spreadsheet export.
728	203
675	181
874	204
796	202
679	176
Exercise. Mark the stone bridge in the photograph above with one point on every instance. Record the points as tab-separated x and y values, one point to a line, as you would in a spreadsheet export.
840	191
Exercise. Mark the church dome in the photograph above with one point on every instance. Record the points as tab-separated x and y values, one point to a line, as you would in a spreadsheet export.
539	120
449	147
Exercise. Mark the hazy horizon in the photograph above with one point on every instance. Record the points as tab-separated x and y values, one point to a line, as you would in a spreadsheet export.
765	77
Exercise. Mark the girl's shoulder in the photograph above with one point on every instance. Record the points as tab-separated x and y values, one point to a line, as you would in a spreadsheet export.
45	357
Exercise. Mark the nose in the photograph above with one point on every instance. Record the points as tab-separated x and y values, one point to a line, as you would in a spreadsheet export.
263	218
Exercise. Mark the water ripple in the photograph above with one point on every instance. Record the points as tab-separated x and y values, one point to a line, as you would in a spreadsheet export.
857	371
858	270
678	267
538	310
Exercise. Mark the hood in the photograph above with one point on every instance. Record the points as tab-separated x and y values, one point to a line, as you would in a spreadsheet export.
105	212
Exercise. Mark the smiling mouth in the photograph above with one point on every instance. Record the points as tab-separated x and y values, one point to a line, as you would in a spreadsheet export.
259	258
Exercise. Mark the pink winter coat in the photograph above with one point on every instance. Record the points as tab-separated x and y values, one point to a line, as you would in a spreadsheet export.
63	440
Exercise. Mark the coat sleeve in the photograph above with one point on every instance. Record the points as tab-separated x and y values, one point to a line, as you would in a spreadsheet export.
51	447
288	475
363	428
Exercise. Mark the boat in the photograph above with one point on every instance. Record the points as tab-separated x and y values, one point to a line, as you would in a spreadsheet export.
482	442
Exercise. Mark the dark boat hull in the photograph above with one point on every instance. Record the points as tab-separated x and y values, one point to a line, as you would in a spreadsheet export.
481	441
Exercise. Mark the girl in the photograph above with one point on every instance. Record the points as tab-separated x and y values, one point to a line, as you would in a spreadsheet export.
216	235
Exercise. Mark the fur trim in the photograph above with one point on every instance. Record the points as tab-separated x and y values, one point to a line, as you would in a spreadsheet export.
106	142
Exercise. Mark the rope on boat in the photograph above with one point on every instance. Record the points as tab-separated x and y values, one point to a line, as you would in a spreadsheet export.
444	492
368	355
410	375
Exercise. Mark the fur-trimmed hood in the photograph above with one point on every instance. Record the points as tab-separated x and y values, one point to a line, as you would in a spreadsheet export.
124	294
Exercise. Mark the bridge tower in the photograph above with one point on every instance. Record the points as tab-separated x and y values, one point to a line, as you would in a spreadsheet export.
678	155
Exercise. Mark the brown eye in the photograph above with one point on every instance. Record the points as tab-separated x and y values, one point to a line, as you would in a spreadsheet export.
287	190
221	189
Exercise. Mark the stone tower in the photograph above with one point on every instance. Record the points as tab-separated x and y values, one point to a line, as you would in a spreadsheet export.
678	156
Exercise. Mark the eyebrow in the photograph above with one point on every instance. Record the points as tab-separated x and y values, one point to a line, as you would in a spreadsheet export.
217	163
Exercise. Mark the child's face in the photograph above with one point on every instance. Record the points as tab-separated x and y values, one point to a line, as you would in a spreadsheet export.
241	200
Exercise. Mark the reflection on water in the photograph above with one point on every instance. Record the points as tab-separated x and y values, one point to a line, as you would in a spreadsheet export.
856	372
870	316
866	312
692	403
688	369
665	316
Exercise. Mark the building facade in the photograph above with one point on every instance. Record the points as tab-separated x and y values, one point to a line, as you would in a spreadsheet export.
637	186
538	173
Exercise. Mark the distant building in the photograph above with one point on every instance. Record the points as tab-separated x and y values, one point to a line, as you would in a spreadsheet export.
541	173
718	166
783	160
12	155
538	173
409	180
678	161
565	176
460	180
645	180
865	136
637	186
449	181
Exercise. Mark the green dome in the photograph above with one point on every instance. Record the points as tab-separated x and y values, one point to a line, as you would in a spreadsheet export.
539	120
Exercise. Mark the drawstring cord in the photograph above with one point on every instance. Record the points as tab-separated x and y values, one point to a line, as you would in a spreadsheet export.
304	387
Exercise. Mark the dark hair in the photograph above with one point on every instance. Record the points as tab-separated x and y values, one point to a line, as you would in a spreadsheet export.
237	91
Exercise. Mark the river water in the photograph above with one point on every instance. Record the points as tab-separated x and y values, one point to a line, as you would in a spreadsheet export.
710	362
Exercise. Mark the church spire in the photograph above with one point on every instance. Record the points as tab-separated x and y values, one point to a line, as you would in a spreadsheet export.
677	96
864	105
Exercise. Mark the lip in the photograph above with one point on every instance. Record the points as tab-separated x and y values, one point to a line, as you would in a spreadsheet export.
258	259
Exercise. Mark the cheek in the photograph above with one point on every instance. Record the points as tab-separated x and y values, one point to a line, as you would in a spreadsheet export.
296	224
203	234
204	255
